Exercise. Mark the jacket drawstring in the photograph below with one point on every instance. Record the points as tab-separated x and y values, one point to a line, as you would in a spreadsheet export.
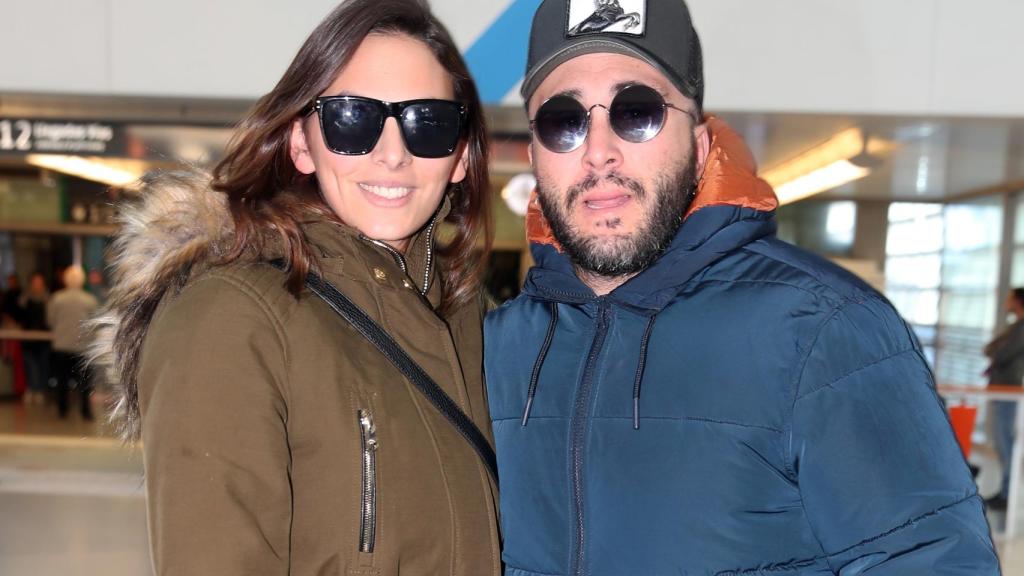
535	377
539	363
640	372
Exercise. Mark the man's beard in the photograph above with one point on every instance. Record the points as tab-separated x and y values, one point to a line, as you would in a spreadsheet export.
630	252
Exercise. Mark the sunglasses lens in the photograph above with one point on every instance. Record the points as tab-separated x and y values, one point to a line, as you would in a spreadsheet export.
637	113
351	126
561	124
432	129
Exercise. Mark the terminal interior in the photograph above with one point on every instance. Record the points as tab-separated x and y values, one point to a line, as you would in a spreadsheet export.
927	205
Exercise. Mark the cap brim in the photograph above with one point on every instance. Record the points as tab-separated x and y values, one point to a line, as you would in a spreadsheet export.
580	47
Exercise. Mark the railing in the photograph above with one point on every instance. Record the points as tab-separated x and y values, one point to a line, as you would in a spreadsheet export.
1002	393
25	335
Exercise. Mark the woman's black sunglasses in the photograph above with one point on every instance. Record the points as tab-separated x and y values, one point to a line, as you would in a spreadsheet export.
352	125
636	114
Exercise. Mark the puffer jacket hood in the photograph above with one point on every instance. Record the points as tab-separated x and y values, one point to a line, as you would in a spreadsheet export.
729	179
732	207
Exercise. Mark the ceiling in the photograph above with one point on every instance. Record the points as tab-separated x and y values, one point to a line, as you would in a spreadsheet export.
930	159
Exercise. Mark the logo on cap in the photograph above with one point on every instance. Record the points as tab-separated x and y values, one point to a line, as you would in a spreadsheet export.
600	16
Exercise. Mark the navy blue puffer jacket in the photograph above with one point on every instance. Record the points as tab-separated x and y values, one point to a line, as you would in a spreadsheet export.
740	407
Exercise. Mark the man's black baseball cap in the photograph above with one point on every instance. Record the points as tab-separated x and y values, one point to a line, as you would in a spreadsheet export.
658	32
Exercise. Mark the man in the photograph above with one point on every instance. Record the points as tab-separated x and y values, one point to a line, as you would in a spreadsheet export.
1006	353
68	309
32	307
10	309
693	396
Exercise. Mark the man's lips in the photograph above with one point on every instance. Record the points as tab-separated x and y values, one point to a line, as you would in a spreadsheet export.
606	200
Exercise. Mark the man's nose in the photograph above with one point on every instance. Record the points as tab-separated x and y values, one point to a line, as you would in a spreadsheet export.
601	151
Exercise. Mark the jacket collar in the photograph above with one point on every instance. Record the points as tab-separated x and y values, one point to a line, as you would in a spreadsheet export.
732	208
343	251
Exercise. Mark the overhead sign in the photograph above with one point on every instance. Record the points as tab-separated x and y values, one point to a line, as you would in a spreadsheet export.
54	136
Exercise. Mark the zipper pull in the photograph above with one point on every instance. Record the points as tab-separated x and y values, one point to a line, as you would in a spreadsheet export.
369	430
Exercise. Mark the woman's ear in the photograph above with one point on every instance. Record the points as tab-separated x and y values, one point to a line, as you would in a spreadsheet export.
298	148
461	165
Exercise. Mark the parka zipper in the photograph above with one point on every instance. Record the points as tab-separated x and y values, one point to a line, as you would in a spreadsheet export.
579	429
400	258
368	525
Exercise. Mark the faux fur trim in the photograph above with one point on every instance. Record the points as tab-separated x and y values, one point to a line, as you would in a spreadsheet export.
179	227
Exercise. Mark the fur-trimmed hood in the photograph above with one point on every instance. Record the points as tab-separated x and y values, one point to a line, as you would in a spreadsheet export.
178	228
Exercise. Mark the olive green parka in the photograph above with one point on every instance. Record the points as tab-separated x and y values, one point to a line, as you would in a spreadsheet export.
276	439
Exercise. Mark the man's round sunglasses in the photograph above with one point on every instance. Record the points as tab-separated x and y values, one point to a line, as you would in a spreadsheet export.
352	125
636	114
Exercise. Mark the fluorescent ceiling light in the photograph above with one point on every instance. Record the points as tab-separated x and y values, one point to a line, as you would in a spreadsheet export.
832	176
843	158
110	172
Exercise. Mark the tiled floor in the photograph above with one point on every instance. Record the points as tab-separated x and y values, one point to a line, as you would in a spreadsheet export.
72	499
1011	552
57	534
71	496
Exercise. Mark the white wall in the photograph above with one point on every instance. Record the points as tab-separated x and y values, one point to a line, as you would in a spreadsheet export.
920	57
943	57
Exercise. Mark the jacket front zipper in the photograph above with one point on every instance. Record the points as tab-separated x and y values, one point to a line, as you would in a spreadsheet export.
579	430
400	258
368	525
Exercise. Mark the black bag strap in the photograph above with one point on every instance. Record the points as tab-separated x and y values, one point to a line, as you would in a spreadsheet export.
406	365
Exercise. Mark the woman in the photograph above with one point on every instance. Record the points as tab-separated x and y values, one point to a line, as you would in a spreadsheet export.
277	439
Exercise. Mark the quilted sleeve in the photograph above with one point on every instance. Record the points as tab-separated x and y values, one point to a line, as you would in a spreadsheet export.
883	481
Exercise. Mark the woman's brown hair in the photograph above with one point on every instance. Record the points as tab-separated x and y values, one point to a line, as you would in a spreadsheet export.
266	192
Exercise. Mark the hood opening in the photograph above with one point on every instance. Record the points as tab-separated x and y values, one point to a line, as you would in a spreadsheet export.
729	178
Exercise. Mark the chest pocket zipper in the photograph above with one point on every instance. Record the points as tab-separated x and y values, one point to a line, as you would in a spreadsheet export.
368	525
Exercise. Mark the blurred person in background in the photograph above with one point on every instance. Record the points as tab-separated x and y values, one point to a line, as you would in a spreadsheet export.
10	306
33	312
1006	352
97	285
277	440
11	352
68	310
677	391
